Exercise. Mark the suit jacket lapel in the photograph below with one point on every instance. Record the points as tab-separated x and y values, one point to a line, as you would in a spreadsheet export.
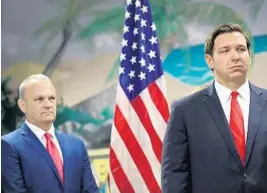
212	103
33	141
255	115
63	147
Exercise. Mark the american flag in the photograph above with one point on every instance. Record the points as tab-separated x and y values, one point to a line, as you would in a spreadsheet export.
141	110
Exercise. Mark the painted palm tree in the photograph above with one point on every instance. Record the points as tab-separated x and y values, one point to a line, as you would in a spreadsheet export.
171	17
65	24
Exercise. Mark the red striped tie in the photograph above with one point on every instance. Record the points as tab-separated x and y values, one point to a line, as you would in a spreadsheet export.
54	153
237	126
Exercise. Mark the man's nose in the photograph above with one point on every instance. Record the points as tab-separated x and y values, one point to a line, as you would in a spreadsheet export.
48	103
235	55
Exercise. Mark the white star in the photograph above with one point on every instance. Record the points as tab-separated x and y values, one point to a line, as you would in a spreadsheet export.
143	48
153	40
131	74
129	2
127	14
135	31
143	37
124	42
134	46
130	87
144	9
143	23
152	54
136	17
123	57
142	62
153	26
151	67
142	75
133	60
125	29
137	3
121	70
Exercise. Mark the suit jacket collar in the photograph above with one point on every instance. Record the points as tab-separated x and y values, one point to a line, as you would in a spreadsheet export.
214	107
35	143
224	93
211	91
40	132
67	157
257	102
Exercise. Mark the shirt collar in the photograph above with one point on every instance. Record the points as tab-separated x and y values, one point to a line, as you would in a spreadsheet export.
40	132
244	91
224	93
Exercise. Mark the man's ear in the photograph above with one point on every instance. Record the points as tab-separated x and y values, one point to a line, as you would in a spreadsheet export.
21	104
250	56
209	61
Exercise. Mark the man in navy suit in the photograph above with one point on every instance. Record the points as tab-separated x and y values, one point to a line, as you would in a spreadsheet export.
216	140
38	159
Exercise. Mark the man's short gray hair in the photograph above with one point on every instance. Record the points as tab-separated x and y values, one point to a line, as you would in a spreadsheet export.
32	77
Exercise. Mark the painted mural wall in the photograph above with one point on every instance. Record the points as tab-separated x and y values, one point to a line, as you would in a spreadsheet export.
77	43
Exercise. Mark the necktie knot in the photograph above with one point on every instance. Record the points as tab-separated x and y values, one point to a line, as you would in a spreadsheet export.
47	136
234	94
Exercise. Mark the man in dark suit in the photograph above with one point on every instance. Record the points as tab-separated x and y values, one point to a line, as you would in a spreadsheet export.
216	140
38	159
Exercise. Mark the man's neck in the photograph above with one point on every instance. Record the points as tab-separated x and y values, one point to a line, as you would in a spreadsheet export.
44	126
232	85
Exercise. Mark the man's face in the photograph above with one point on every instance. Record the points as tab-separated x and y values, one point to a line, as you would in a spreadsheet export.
231	57
39	102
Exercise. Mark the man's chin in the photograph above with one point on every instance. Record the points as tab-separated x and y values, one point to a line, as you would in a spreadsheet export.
238	75
48	120
238	79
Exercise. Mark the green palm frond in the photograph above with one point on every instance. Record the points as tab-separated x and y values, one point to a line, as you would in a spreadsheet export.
157	2
177	5
109	21
212	13
159	18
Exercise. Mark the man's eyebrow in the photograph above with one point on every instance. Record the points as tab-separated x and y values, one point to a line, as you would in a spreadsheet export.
38	96
241	45
224	47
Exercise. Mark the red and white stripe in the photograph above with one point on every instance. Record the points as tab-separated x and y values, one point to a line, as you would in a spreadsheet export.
136	140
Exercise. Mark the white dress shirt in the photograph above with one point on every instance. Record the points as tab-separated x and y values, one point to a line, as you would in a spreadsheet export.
40	135
243	99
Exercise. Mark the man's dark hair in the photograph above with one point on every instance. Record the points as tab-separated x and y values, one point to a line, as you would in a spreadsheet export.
225	28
